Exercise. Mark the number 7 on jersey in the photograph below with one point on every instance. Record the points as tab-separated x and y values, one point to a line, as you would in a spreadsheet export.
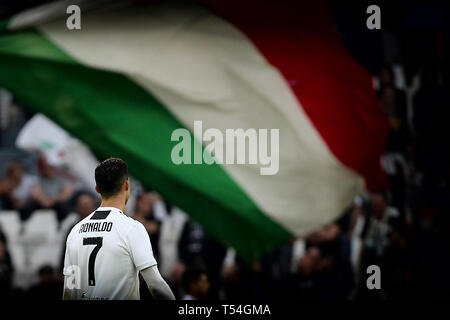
98	242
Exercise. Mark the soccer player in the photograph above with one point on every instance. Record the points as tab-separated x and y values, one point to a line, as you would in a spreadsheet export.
106	250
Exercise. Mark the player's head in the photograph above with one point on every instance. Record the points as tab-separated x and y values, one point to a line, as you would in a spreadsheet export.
111	178
195	282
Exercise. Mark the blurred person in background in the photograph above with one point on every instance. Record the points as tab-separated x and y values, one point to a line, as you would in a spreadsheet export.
189	250
384	221
49	286
244	280
51	191
16	187
308	264
195	284
398	149
197	249
399	136
384	245
171	228
86	204
145	215
326	271
387	79
275	273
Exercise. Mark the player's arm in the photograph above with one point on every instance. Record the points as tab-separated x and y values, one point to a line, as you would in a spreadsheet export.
142	255
158	286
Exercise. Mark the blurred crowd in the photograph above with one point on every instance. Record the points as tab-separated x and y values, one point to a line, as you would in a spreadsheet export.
403	230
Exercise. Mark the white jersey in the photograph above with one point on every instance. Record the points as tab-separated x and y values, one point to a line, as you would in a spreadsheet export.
104	254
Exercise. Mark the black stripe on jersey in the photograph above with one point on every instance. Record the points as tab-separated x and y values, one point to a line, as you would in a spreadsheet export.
100	215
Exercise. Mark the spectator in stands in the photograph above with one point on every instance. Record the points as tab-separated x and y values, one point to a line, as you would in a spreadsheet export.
196	249
195	284
275	271
384	245
49	286
171	228
398	141
308	265
85	205
144	214
51	191
245	280
383	222
387	79
15	188
398	148
189	251
328	267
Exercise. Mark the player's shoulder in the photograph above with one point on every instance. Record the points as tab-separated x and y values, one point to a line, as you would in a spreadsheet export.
128	221
133	223
77	225
130	228
75	228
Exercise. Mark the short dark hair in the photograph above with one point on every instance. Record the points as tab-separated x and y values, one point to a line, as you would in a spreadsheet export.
191	276
110	174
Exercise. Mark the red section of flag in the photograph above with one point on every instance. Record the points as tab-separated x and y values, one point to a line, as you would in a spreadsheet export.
336	92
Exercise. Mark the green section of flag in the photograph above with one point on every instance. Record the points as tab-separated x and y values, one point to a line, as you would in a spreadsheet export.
4	24
116	117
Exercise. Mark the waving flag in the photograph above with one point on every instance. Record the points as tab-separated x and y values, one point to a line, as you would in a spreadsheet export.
133	74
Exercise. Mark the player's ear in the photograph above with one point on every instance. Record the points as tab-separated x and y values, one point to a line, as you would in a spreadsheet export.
96	189
127	184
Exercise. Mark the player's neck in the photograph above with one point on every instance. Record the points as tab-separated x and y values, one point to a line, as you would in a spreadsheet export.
115	202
